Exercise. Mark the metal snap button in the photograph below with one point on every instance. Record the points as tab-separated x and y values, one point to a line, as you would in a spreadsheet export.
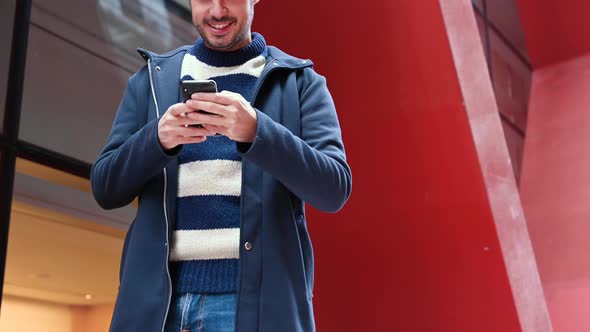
158	68
248	246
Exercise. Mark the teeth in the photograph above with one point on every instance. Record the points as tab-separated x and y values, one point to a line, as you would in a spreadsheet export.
219	26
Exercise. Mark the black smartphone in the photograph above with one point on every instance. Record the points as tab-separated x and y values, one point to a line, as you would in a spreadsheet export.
188	87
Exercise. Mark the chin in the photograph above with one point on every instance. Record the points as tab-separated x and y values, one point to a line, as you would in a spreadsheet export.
224	45
220	47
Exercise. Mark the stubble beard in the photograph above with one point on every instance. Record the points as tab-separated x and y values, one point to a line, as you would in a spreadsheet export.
239	38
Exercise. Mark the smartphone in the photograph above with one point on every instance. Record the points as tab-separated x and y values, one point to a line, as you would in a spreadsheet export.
188	87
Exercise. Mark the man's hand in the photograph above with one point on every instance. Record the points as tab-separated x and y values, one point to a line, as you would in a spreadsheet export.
173	129
233	116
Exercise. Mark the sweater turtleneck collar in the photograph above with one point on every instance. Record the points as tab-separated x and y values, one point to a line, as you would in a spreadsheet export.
231	58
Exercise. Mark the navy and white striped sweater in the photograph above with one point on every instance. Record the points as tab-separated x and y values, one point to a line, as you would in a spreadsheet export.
205	244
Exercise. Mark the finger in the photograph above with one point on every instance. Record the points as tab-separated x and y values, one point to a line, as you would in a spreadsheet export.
191	140
230	94
207	119
178	109
192	131
215	129
218	130
218	98
183	120
188	119
209	106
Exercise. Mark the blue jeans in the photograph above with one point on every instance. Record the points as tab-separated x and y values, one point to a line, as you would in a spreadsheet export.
193	312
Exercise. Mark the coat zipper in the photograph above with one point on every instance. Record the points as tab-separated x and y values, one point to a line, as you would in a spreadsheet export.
164	204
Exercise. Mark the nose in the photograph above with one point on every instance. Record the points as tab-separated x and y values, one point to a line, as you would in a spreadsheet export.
218	9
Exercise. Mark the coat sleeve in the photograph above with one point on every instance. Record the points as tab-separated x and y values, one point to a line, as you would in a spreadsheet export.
132	154
314	166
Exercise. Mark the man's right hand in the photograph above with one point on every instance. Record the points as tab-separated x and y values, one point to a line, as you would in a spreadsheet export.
173	129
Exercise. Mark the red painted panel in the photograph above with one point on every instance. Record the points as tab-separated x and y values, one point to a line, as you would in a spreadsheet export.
555	187
416	248
555	31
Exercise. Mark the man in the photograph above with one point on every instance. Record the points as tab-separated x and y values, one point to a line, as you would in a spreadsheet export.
220	241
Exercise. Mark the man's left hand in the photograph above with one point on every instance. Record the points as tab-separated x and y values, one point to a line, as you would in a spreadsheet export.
232	115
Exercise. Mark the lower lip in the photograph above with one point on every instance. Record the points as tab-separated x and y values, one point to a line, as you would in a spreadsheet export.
220	32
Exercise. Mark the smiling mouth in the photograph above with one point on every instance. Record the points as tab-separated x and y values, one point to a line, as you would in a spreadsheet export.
219	26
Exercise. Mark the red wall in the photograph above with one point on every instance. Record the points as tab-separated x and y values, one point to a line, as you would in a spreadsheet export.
555	31
555	180
416	248
555	188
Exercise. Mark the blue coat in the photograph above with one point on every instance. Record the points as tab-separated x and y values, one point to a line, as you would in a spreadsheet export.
297	156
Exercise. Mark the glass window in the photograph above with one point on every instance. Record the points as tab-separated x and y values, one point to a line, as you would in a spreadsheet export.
478	4
63	250
79	59
7	8
504	16
511	80
73	115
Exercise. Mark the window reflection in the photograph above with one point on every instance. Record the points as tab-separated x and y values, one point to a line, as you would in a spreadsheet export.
144	23
503	14
92	53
